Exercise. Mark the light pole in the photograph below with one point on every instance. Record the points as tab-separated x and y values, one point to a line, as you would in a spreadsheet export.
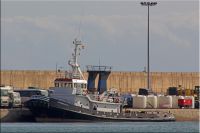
148	4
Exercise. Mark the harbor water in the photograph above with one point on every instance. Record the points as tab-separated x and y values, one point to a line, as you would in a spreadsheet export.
115	127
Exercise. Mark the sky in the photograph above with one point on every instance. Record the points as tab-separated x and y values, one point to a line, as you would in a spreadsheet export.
37	35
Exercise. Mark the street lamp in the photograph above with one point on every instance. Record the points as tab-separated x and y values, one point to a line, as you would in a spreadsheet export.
148	4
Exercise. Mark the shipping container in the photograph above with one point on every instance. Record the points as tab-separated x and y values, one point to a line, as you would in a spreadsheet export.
139	101
164	101
151	101
192	98
175	101
184	103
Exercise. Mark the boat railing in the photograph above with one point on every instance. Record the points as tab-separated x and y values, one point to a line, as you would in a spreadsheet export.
116	99
99	68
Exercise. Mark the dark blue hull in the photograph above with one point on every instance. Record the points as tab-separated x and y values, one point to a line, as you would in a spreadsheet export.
53	110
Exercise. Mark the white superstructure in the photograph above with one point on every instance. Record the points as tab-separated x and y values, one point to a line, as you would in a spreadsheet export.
73	89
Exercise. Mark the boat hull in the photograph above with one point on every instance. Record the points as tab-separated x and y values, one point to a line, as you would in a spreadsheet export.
58	111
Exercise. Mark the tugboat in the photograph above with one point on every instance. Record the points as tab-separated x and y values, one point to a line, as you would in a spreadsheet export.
74	98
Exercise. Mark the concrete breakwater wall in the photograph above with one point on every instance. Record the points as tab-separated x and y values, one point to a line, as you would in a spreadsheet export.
123	81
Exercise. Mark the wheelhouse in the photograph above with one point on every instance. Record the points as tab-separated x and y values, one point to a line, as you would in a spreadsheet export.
70	83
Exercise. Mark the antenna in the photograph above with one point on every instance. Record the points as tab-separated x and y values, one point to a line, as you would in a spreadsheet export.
74	61
79	30
80	24
56	68
99	62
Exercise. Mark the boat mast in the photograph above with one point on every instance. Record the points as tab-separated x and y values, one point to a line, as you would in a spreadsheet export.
76	71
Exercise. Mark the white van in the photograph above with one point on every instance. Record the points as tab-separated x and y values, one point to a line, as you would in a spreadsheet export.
15	99
4	99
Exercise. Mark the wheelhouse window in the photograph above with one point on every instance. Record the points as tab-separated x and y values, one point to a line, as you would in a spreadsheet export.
78	85
66	85
83	85
62	85
70	85
75	85
56	84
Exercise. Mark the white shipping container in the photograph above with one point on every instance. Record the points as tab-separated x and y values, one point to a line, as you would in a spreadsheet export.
175	101
190	97
133	95
152	101
164	101
139	101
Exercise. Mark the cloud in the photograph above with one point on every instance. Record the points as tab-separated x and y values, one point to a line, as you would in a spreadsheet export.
165	32
113	25
41	31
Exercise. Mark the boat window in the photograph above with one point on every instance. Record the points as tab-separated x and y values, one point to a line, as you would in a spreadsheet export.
66	85
70	85
83	85
56	85
75	85
79	86
62	85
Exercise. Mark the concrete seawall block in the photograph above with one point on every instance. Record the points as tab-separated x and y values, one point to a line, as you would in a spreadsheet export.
123	81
